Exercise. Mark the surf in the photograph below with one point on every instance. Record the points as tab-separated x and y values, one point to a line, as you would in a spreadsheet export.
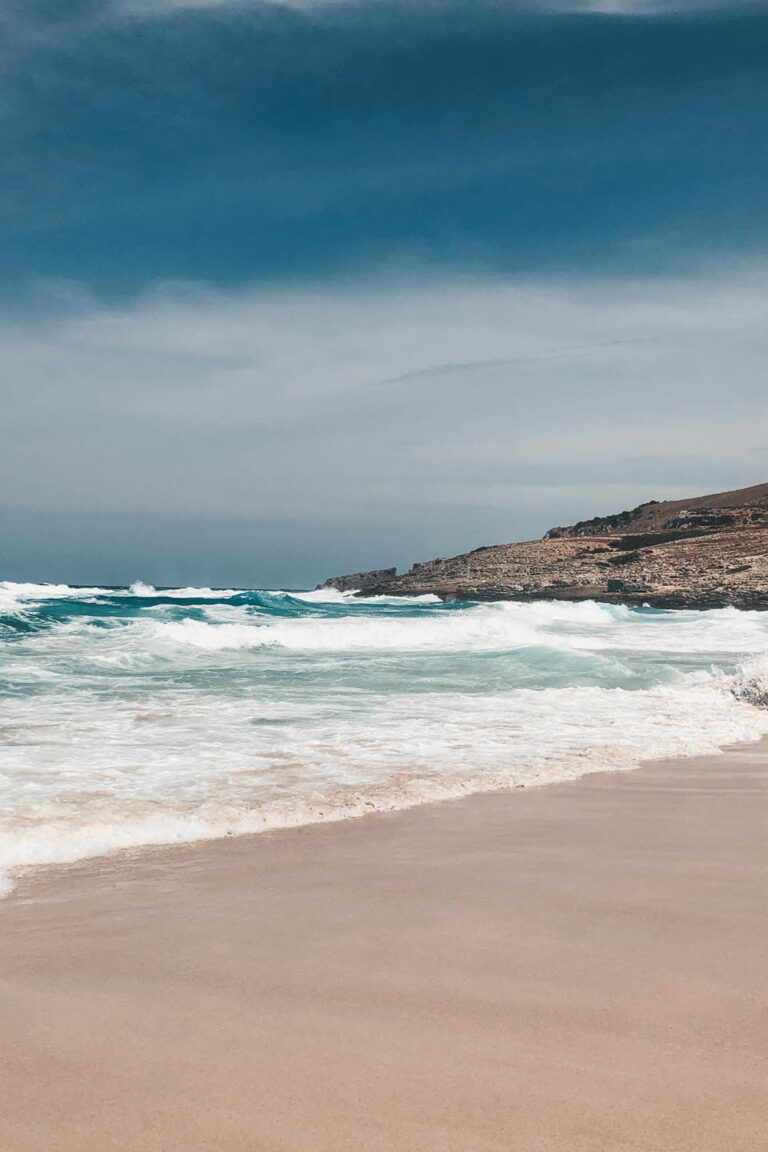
145	715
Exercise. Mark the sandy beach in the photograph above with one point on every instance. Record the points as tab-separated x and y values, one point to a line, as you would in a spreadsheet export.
573	968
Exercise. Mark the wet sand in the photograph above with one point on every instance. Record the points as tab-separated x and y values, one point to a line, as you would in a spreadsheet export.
575	968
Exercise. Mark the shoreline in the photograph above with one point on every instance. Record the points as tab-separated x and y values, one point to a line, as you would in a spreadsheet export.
19	875
559	969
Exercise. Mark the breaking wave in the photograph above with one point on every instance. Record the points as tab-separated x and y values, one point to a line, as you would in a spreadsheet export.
154	716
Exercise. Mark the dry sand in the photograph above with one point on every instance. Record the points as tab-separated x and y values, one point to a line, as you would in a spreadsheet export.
571	968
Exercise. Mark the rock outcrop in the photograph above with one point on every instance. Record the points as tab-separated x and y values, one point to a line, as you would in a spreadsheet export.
707	552
360	581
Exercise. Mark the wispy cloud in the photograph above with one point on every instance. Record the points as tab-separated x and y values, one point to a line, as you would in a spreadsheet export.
607	7
472	393
646	8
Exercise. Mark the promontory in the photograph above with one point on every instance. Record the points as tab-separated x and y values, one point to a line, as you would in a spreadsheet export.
703	552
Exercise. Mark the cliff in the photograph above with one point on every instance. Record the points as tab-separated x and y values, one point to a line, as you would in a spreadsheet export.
705	552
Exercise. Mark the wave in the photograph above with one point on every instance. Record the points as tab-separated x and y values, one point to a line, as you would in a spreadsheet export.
397	760
318	596
16	597
253	621
149	592
334	596
38	592
481	630
750	682
490	627
141	716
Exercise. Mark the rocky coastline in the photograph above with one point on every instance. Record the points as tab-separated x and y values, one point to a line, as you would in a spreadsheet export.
705	552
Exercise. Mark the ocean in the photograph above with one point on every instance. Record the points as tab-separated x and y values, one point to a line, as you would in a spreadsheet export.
137	716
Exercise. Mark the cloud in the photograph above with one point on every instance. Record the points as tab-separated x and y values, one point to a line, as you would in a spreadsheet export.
574	7
155	8
255	143
495	407
647	8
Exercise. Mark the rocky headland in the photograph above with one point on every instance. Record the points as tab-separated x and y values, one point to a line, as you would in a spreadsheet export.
704	552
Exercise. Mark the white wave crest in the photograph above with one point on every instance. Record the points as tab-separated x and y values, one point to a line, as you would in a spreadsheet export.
334	596
16	597
148	591
586	627
478	629
750	682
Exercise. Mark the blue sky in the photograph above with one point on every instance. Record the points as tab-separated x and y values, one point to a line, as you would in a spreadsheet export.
286	289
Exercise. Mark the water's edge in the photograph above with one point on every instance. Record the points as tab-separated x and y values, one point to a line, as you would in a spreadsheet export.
30	881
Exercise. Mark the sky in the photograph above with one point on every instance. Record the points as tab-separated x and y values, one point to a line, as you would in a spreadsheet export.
294	289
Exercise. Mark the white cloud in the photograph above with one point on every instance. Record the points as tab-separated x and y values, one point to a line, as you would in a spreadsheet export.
162	7
561	396
643	7
607	7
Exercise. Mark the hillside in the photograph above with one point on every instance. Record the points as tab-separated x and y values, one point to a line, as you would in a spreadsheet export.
704	552
742	508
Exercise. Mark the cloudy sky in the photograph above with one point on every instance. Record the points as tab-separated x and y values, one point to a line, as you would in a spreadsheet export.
292	289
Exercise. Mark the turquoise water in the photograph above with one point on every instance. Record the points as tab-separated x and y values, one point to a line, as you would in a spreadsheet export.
142	716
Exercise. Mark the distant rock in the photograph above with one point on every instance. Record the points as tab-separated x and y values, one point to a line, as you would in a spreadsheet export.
360	581
704	552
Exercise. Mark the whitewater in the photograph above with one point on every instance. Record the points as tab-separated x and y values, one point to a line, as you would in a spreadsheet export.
141	716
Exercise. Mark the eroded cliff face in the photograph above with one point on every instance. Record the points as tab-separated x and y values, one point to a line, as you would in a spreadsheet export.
707	552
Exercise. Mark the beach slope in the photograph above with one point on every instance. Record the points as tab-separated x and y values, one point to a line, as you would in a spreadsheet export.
573	968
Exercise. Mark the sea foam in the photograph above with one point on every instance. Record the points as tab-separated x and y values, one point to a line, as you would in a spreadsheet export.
135	717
